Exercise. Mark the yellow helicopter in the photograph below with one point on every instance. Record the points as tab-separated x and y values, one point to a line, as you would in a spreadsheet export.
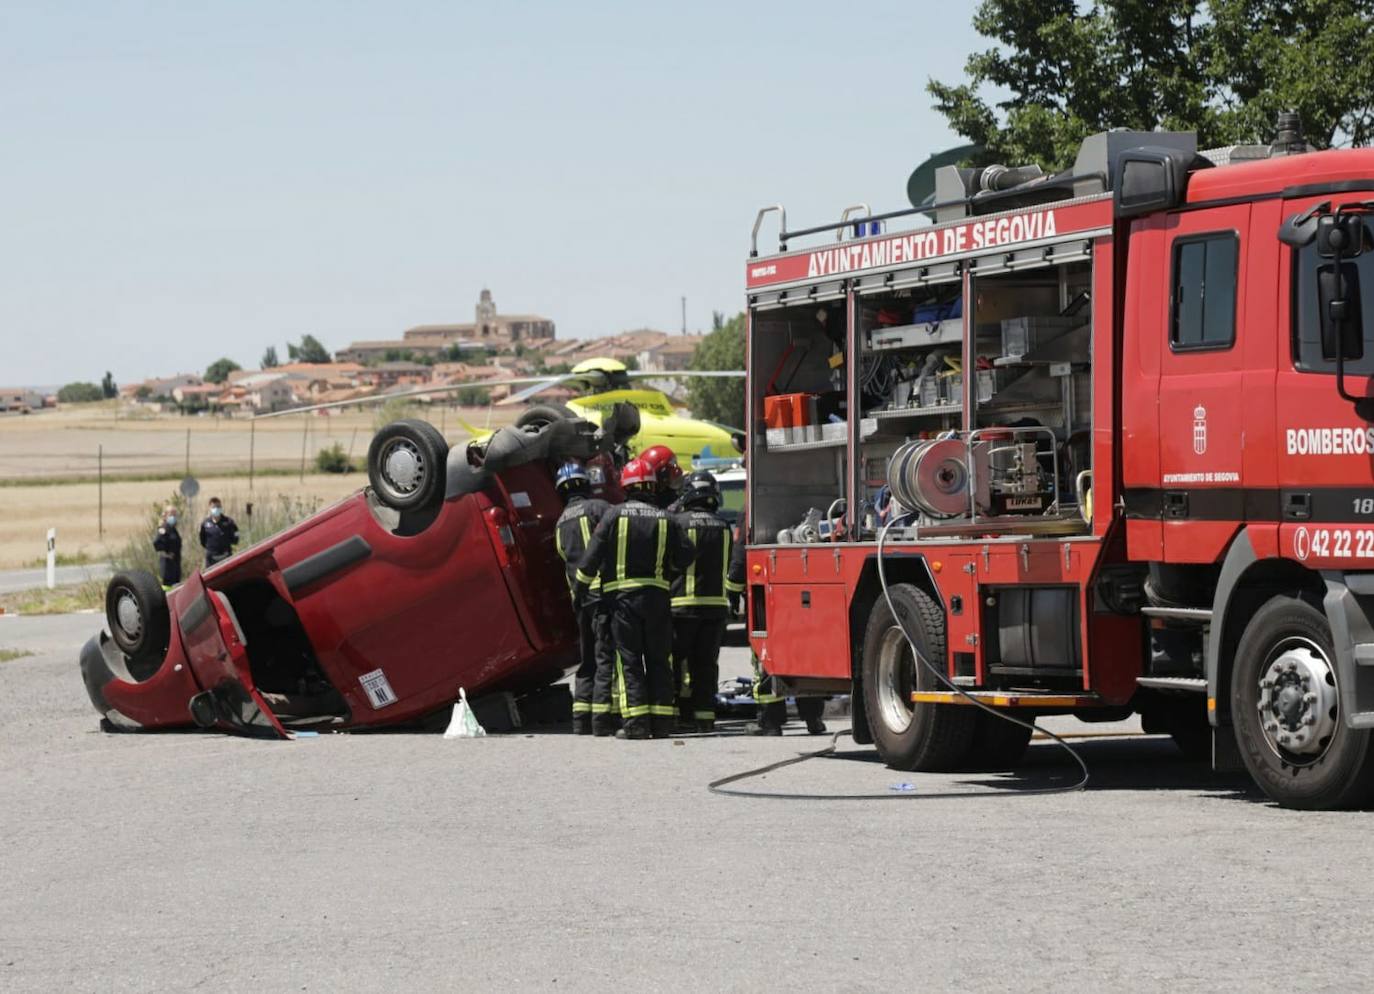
698	444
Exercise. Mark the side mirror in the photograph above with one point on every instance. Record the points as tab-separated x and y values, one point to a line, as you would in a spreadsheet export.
1299	230
1339	306
1340	235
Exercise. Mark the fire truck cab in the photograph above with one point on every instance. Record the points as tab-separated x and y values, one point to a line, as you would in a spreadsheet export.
1111	429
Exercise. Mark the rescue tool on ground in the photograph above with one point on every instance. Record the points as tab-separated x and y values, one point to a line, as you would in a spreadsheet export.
1118	420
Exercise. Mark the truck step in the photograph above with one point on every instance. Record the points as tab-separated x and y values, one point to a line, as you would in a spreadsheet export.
1008	698
1200	615
1194	685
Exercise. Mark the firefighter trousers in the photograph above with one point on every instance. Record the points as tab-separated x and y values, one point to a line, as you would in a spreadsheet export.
642	631
696	662
605	689
772	709
584	680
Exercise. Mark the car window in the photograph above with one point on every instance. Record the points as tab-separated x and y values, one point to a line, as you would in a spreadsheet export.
1204	292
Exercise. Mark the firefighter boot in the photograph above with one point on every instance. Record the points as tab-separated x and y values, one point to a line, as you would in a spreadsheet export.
662	726
772	716
810	709
582	724
633	730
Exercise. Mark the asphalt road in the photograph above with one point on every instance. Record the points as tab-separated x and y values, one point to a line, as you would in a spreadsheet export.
12	580
406	862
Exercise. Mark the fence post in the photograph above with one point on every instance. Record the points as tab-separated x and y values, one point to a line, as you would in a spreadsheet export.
100	490
52	558
252	438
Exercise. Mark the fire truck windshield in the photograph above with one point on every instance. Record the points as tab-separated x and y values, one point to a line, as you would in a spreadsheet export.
1357	273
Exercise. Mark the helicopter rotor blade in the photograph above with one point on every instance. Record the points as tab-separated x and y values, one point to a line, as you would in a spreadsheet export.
539	387
382	398
650	374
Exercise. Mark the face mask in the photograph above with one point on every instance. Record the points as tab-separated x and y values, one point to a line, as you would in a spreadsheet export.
171	519
215	512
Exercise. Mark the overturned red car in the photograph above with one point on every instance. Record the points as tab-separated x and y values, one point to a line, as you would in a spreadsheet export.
373	612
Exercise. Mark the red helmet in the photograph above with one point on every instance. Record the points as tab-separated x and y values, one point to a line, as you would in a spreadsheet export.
663	464
637	473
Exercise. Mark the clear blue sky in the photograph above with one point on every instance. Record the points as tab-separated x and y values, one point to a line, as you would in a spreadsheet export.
188	180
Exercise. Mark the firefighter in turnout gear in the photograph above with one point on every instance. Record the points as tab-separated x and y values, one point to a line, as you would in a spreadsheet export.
700	600
636	551
593	709
772	708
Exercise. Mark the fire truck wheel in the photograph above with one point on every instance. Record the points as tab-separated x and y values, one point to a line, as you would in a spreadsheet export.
405	464
911	736
997	743
858	716
1285	705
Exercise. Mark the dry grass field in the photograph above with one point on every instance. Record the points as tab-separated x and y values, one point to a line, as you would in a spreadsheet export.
48	468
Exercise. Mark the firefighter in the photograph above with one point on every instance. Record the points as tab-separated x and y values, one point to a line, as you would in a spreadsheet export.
218	533
772	708
701	602
167	543
667	473
592	702
637	550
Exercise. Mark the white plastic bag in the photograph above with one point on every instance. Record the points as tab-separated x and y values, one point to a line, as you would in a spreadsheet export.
463	724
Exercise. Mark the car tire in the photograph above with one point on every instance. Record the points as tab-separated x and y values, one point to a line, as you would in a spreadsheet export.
910	736
543	414
139	620
997	743
405	464
1318	765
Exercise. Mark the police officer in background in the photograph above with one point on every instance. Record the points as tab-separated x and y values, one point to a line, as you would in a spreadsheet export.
167	543
700	600
636	551
218	534
772	707
593	712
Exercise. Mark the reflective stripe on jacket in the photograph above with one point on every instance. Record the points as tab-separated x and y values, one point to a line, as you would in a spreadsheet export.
635	546
573	533
704	585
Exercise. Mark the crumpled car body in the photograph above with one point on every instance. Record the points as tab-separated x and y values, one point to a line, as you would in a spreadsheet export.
365	617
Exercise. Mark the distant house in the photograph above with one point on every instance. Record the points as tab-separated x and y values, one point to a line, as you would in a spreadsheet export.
389	374
19	399
260	393
671	355
162	388
199	396
489	329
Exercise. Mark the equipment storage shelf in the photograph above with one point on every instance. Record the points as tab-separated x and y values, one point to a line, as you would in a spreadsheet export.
821	443
905	413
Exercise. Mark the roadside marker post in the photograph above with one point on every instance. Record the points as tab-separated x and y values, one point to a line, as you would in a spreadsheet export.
52	558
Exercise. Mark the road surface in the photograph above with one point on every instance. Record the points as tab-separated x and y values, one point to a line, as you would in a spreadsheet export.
14	580
554	863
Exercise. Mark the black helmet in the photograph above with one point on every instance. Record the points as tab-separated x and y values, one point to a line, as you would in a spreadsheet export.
701	490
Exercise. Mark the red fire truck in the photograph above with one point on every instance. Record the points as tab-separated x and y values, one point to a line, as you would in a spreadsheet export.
1111	426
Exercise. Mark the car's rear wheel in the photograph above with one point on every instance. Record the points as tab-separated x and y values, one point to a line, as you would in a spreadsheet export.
543	414
140	623
911	736
405	464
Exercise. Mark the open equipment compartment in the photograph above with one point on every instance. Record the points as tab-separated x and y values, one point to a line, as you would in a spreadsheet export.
799	416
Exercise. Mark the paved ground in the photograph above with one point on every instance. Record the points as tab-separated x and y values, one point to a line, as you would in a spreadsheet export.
12	580
557	863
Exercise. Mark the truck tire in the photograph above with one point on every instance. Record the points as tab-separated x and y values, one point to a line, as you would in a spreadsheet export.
405	464
1285	705
909	736
543	414
997	743
858	716
140	624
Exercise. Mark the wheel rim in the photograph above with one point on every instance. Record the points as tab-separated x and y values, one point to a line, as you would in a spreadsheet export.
895	681
403	467
1299	702
127	615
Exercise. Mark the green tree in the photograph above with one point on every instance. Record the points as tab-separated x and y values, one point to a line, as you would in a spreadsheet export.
719	399
108	389
219	370
473	396
80	393
1063	69
309	350
269	358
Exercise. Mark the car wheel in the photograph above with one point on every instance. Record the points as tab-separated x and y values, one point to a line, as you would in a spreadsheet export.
1286	708
405	464
911	736
543	414
140	623
997	743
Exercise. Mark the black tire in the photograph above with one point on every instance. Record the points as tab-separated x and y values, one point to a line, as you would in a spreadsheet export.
543	414
405	464
997	743
1334	766
858	716
140	623
928	737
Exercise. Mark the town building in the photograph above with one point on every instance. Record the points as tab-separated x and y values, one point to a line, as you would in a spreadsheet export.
489	329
